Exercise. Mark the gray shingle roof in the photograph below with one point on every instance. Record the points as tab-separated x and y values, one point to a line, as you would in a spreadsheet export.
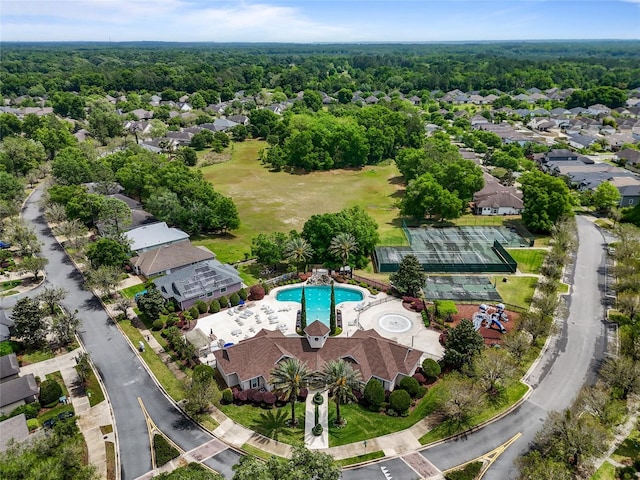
21	388
167	257
9	366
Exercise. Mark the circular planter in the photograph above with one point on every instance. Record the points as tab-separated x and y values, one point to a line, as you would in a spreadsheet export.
317	430
317	399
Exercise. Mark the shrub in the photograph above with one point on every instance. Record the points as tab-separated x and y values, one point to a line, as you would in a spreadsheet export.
420	378
265	287
242	396
214	306
242	293
172	319
33	424
400	401
422	391
250	394
202	306
446	309
234	299
227	396
431	370
50	393
269	399
374	394
468	472
258	397
194	312
256	292
163	450
157	324
224	301
411	386
30	410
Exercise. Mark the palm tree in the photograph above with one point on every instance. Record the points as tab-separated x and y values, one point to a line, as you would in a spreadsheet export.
341	379
288	378
298	251
342	245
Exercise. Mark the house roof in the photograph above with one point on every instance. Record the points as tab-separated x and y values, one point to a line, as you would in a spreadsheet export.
13	429
197	280
153	235
18	389
495	195
316	329
9	366
631	156
366	350
169	257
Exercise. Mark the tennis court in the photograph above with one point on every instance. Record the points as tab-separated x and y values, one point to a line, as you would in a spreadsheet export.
454	250
461	288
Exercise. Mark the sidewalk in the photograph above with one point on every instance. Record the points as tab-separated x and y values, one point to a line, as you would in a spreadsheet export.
89	419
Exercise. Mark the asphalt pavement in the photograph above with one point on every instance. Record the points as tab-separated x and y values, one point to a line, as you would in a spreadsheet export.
125	377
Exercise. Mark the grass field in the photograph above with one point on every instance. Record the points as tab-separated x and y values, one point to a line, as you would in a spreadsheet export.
278	201
529	259
606	472
130	292
516	290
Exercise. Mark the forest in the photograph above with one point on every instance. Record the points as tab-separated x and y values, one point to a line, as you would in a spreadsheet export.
219	70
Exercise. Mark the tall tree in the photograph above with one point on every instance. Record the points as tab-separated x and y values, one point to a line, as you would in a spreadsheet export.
463	343
202	388
332	311
341	380
303	310
64	326
546	200
343	245
410	277
425	197
28	325
298	251
104	278
19	155
289	377
51	297
115	216
108	252
33	265
606	197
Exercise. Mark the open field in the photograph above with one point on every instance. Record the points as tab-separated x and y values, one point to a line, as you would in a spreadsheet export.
278	201
516	290
529	259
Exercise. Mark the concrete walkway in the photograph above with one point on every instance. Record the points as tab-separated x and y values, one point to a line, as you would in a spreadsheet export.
89	419
311	441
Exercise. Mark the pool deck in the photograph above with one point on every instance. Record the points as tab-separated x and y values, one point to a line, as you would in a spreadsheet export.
236	324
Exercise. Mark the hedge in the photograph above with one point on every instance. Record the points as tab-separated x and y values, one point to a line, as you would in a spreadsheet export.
202	306
163	450
400	401
50	393
431	369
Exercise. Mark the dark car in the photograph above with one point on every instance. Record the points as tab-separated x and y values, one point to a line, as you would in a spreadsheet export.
66	414
50	423
4	244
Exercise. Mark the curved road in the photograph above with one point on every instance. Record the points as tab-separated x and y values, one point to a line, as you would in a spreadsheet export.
570	361
125	378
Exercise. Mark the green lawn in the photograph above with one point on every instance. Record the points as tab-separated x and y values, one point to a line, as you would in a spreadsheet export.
606	472
470	220
516	290
4	286
35	357
529	259
279	201
94	389
57	376
513	393
360	458
162	373
363	424
629	449
130	292
270	423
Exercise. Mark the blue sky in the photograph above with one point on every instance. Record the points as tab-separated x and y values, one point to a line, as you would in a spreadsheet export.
317	21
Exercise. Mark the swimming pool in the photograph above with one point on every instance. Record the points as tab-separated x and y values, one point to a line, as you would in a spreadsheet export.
318	298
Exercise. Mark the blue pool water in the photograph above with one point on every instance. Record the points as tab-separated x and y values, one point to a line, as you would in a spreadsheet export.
318	299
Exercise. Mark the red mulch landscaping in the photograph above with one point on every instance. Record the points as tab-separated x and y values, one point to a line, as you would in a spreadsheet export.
492	336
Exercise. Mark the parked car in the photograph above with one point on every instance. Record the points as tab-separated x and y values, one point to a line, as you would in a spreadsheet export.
50	423
4	244
66	414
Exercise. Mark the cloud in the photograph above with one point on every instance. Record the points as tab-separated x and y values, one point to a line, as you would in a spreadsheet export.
169	20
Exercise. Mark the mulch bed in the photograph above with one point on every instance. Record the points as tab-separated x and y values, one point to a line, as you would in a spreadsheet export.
492	336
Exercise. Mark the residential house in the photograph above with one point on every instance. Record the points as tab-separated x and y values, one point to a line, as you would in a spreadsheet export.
15	390
217	108
575	111
204	280
366	351
14	430
219	125
629	188
182	138
631	158
5	325
165	259
497	199
155	235
371	100
139	216
598	110
478	120
239	119
577	140
142	114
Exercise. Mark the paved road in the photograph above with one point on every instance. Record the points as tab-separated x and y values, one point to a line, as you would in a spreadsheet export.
123	374
570	362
